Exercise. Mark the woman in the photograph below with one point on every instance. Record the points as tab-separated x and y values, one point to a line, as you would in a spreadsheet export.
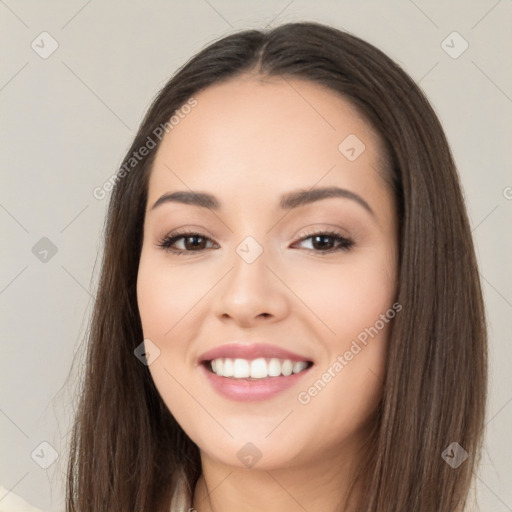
289	315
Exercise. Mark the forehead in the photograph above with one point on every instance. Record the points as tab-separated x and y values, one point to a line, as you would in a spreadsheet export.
249	136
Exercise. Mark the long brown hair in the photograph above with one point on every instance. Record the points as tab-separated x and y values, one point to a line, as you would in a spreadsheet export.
127	449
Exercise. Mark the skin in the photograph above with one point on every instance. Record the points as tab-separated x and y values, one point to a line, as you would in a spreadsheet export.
248	141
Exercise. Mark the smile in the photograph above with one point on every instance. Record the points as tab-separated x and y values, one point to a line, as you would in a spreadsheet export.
255	369
271	377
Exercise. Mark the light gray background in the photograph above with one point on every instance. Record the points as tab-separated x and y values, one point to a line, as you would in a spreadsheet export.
67	121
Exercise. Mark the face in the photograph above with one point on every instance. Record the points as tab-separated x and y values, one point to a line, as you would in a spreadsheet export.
288	298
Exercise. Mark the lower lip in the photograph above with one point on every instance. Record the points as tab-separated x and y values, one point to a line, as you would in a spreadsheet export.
245	390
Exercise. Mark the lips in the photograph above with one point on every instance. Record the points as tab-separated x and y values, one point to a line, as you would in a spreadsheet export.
240	382
237	350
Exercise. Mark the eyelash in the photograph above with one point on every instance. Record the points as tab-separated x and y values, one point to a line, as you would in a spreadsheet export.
344	244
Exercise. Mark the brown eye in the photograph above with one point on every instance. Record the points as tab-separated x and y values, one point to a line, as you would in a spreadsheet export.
322	242
192	242
327	242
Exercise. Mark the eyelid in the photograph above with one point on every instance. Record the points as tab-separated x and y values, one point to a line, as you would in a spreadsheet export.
325	228
187	230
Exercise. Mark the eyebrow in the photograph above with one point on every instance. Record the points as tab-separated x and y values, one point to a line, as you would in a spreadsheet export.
288	201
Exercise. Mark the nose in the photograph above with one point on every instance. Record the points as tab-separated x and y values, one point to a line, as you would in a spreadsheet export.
251	293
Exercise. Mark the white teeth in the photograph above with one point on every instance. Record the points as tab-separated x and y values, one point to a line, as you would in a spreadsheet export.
287	367
227	369
256	368
298	366
259	368
274	368
241	368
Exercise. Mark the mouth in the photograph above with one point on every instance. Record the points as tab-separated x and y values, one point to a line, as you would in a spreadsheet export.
255	369
245	388
249	372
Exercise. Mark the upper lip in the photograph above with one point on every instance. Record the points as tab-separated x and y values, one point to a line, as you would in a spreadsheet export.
237	350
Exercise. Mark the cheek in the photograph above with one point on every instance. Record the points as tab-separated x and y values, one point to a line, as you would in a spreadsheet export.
345	390
354	303
165	295
346	298
170	300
